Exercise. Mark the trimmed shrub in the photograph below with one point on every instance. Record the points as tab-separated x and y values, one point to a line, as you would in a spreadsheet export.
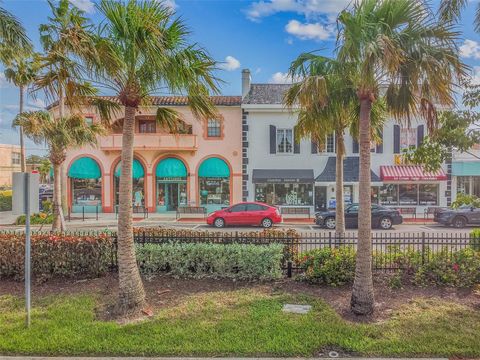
36	219
6	201
329	266
475	239
65	255
233	261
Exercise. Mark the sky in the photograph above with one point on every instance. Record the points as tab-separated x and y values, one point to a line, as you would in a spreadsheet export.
263	36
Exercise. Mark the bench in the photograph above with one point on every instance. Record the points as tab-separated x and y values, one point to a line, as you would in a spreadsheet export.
299	210
191	210
430	211
408	211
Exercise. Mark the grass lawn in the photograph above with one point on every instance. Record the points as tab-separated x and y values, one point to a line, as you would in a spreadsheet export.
238	322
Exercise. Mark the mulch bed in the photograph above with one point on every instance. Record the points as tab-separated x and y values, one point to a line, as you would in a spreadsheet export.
164	291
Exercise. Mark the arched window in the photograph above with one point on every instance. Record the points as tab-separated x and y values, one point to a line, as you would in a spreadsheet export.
138	177
86	185
171	175
214	184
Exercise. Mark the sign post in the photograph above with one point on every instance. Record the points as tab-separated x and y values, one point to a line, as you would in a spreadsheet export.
25	201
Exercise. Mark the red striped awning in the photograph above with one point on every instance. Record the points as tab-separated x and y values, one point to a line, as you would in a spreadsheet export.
409	173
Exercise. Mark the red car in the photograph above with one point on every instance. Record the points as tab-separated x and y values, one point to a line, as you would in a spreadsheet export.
245	213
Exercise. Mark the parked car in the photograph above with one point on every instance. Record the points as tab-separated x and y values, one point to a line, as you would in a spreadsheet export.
382	217
459	218
245	213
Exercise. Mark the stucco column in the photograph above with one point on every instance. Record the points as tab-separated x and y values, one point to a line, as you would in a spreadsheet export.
107	193
193	185
149	193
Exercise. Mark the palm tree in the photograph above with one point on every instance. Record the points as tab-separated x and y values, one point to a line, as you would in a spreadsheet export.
44	170
21	72
59	134
328	105
145	50
396	46
13	38
450	10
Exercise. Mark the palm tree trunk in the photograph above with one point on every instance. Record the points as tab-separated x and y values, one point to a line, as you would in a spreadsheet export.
362	301
131	291
23	164
339	209
63	173
58	224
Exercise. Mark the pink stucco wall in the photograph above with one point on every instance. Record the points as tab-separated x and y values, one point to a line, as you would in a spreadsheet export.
228	147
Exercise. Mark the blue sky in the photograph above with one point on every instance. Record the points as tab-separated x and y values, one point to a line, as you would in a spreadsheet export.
264	36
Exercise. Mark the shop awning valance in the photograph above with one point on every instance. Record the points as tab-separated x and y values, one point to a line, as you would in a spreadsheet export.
214	168
351	166
410	173
466	168
84	168
171	168
137	169
282	176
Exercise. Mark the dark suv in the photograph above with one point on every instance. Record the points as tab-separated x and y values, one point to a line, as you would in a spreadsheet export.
459	218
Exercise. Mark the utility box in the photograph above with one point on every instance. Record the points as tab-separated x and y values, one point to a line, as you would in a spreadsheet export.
19	187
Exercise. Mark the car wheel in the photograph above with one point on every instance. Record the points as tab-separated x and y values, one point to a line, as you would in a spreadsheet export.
219	223
385	223
330	223
267	223
459	222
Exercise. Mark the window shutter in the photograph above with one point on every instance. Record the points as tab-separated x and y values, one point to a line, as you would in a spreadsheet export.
396	139
420	134
355	146
314	147
273	139
379	149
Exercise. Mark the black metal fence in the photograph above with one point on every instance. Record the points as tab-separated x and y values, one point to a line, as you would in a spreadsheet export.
390	250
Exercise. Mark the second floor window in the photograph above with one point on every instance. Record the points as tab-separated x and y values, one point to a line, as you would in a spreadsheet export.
284	140
408	138
146	126
15	158
213	128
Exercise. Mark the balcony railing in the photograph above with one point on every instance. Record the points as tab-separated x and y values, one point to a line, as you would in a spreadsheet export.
175	142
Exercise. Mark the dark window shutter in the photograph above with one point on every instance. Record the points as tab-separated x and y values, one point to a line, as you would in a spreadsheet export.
396	139
355	146
273	139
380	145
314	146
420	134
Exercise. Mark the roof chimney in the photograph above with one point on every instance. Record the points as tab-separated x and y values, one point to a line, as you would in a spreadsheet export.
246	80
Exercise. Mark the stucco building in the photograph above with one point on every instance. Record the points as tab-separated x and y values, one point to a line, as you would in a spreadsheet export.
9	163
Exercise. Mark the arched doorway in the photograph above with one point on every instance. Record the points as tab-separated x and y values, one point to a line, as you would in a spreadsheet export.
214	184
171	184
138	189
85	179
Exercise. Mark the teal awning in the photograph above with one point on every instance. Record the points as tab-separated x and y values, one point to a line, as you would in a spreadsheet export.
137	169
214	167
85	168
466	168
171	168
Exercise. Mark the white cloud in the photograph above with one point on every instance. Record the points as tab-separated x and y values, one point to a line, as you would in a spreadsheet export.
470	49
36	104
3	81
312	31
86	5
230	63
475	76
282	78
309	8
170	4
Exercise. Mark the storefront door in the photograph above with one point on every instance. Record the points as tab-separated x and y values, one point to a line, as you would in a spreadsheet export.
171	195
320	197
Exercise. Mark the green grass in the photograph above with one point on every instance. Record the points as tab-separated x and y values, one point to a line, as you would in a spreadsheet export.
243	322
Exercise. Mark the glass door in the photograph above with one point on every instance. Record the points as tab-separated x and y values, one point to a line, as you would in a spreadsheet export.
320	197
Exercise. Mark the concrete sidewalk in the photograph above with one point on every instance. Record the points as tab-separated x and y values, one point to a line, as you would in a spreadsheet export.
198	358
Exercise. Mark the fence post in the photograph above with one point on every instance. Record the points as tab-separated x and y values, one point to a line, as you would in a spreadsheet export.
330	239
143	238
289	268
83	213
423	247
96	211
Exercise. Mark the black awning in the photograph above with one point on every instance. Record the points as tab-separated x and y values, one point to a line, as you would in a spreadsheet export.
282	176
351	166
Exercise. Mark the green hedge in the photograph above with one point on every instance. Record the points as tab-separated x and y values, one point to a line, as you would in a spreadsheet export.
5	201
336	266
36	219
65	255
234	261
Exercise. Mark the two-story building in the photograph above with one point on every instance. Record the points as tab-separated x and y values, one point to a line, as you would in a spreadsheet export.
9	163
281	171
200	165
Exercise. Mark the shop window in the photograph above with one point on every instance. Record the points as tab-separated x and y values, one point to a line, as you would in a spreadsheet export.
284	141
214	128
214	191
389	194
86	192
374	194
147	127
408	138
408	194
16	159
428	194
463	184
285	194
